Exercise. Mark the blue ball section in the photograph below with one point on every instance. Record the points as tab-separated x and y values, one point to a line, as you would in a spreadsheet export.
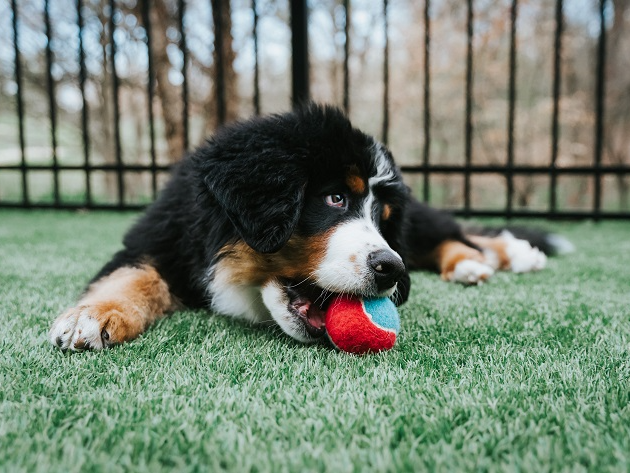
383	313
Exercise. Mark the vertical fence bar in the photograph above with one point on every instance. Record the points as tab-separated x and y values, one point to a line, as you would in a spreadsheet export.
427	98
20	104
469	91
115	87
599	109
299	47
146	19
385	131
84	108
555	128
217	13
52	105
256	66
511	115
184	50
346	56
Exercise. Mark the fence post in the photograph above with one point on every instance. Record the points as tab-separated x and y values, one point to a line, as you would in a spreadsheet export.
600	84
299	47
20	105
427	99
555	124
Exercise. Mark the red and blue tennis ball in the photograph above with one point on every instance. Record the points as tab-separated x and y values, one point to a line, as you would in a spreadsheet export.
362	326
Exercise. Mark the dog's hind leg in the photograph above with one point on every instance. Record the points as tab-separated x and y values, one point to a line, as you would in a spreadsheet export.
458	262
435	241
115	308
506	252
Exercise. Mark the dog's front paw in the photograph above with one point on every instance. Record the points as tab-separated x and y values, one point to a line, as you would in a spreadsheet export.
470	272
91	327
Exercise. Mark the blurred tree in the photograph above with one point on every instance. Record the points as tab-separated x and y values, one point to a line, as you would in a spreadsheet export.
617	125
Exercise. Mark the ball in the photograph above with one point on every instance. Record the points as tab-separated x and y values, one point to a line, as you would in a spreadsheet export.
362	326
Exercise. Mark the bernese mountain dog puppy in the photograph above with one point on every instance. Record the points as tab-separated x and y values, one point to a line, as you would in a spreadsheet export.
268	220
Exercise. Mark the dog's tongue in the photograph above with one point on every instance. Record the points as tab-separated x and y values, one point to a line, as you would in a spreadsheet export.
316	316
311	312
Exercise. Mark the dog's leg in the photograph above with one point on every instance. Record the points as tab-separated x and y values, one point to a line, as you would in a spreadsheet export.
115	308
459	262
508	253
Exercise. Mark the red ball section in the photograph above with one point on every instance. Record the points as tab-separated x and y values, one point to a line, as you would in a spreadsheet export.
352	329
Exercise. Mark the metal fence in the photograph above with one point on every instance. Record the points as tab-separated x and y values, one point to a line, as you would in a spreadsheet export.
300	92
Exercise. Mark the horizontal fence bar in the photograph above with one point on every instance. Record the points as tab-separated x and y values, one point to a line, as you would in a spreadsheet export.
564	215
73	206
525	214
81	167
498	169
432	168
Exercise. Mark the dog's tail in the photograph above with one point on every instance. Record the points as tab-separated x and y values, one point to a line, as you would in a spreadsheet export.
548	243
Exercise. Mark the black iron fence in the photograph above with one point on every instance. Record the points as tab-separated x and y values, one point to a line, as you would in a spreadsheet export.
423	171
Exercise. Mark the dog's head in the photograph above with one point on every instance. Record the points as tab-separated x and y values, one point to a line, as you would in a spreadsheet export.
317	206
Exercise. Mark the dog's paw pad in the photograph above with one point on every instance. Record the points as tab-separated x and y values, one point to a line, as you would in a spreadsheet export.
471	272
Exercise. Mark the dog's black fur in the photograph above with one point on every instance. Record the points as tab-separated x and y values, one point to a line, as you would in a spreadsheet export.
250	181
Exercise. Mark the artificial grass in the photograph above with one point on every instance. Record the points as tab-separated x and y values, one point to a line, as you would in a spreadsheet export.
526	373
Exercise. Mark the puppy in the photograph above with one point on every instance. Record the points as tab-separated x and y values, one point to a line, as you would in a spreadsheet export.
268	220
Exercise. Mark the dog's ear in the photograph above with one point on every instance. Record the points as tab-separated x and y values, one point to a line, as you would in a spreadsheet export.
260	190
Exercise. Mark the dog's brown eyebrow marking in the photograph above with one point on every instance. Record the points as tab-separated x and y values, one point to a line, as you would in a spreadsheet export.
387	211
354	180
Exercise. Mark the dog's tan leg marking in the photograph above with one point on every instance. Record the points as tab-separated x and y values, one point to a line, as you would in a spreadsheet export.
114	309
460	263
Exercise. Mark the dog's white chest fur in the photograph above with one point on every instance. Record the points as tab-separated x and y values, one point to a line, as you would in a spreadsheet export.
237	300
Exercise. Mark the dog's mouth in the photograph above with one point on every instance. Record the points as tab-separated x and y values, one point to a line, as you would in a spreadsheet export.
308	303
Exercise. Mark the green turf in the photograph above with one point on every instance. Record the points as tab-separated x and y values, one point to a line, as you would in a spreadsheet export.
527	373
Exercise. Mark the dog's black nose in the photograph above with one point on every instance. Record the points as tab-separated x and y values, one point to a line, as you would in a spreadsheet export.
387	268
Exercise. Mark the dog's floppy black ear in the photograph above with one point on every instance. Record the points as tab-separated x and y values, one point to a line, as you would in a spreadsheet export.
261	189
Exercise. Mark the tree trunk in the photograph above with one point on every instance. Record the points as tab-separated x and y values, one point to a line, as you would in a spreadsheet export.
618	98
222	21
106	142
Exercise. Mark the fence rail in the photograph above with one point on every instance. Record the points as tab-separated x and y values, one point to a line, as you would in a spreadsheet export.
300	92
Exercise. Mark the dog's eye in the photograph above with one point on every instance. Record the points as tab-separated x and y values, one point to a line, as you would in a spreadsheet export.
335	200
